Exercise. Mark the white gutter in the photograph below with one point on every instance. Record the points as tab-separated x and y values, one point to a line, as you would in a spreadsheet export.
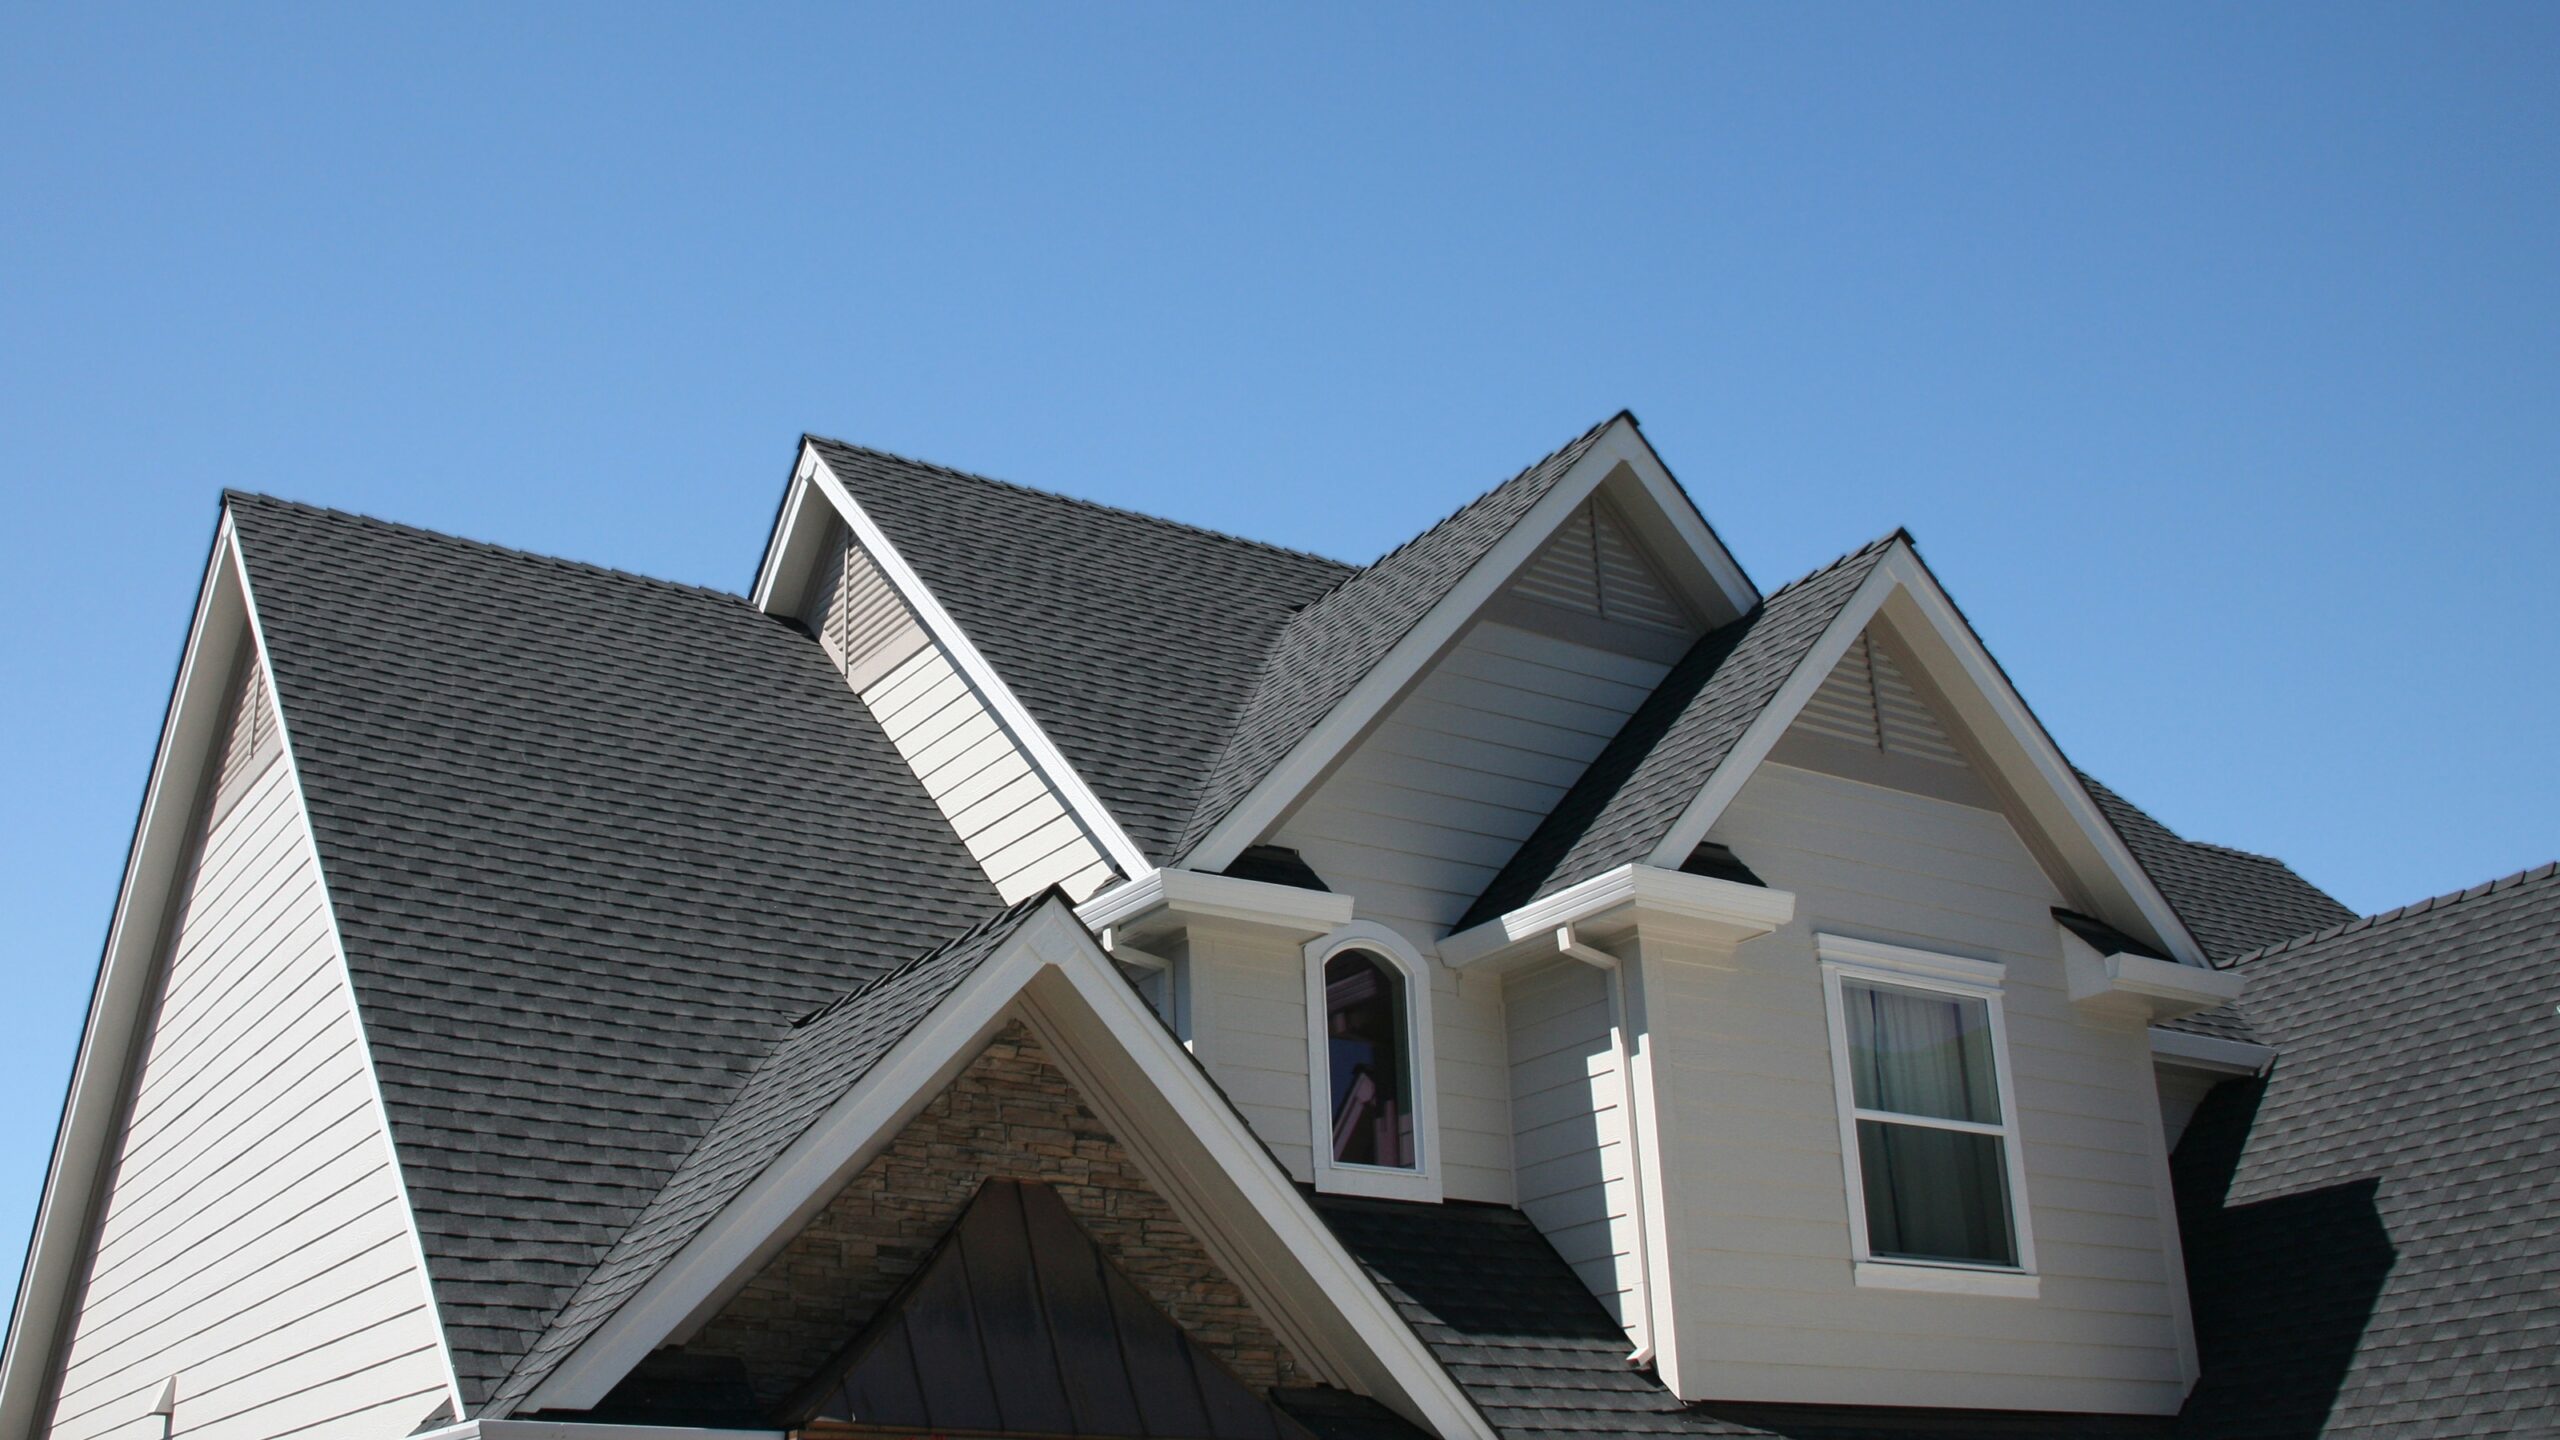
587	1430
1163	900
2209	1052
1615	900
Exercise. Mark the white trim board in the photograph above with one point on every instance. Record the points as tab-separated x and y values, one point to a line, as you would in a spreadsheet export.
1251	1215
1945	648
1299	772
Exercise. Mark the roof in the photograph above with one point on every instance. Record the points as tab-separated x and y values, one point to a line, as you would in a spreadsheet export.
1170	624
1331	645
2370	1226
823	1056
2230	900
1516	1328
592	842
1630	796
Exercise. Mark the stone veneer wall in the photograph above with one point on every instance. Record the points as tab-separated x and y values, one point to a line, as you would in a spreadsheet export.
1010	1115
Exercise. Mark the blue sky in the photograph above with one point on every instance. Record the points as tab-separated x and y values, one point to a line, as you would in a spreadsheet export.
2212	353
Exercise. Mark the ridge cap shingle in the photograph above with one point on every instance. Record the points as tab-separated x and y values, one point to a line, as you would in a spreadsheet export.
2433	904
1122	512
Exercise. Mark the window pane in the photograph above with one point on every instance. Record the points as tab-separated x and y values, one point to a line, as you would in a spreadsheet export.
1918	1053
1935	1194
1372	1083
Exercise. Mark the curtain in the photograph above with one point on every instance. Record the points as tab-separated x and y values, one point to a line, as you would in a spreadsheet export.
1931	1194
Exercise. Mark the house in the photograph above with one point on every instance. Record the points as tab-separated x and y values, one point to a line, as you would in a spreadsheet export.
1031	968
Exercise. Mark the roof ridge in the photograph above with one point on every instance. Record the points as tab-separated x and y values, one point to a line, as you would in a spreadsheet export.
1185	526
1417	537
2538	874
492	547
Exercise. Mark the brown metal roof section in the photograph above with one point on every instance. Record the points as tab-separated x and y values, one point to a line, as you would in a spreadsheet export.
1018	1325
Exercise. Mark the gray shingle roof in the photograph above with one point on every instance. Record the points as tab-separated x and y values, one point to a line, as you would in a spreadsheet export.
592	841
2373	1229
1513	1325
815	1064
1629	797
1331	645
2230	900
1134	641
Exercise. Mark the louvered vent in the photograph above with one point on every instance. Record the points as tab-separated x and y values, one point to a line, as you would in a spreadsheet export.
1867	700
1592	564
251	740
865	626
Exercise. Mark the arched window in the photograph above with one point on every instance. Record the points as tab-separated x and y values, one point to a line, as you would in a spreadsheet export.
1368	1072
1369	1064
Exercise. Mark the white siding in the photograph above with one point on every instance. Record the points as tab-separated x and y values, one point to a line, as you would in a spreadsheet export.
1569	1136
1427	808
255	1242
1007	815
1248	994
1764	1303
1013	822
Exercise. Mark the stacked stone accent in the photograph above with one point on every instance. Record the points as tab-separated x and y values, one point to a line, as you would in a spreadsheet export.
1011	1115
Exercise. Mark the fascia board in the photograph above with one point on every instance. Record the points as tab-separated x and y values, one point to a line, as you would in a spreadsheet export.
1724	910
101	1069
815	1165
346	976
2180	1050
1090	812
808	1169
1272	1198
1168	898
1901	573
587	1430
1682	513
788	541
1315	753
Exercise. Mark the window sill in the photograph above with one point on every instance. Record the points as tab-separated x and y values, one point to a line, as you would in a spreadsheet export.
1948	1279
1377	1182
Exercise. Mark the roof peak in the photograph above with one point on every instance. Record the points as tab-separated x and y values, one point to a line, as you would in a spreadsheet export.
488	547
1186	527
2539	874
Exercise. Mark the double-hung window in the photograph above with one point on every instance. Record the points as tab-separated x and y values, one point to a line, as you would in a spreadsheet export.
1928	1118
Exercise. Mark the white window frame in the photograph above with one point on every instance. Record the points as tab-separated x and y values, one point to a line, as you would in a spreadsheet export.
1895	966
1422	1182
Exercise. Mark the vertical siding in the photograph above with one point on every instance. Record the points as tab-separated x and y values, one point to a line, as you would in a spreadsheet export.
254	1242
1764	1302
1569	1136
1424	812
1016	826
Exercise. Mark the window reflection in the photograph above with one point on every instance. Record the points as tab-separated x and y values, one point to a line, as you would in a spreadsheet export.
1365	1035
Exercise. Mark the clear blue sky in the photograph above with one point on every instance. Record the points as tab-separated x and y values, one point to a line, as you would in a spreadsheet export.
2213	353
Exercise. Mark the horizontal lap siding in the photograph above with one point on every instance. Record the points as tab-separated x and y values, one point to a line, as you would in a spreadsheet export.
1569	1139
254	1243
1765	1303
1428	807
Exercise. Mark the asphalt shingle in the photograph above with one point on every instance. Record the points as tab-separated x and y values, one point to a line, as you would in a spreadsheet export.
1134	641
2373	1228
592	841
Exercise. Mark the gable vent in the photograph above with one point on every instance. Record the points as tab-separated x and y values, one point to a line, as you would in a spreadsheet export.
1592	564
1867	700
866	627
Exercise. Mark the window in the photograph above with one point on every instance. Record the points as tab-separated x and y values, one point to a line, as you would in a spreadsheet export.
1369	1067
1370	1076
1928	1124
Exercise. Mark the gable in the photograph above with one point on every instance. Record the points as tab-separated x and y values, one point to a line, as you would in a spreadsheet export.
1010	1116
1012	818
253	1244
1594	581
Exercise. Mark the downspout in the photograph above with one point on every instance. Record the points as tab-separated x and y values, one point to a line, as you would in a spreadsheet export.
1572	947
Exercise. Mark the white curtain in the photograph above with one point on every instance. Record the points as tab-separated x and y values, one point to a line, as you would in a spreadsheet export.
1931	1194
